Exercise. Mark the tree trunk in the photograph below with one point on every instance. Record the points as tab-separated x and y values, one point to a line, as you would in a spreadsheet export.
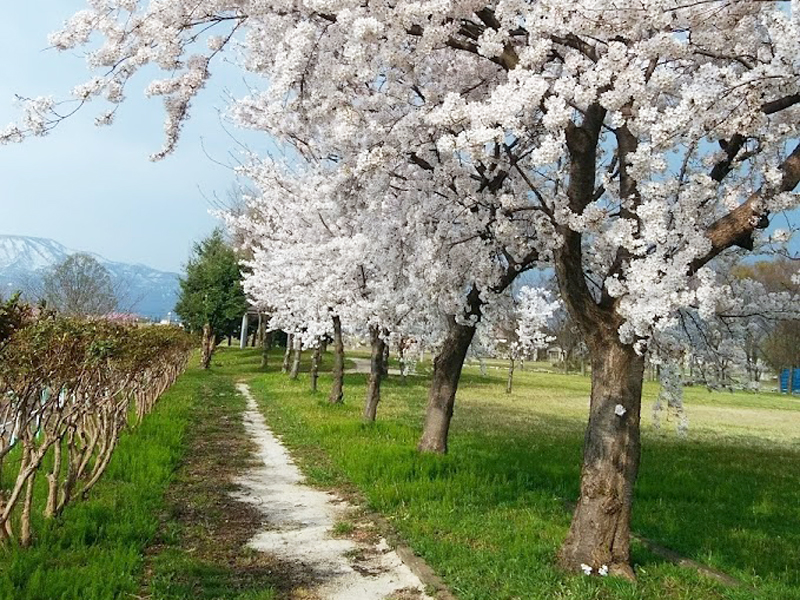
287	353
209	344
298	352
337	388
25	517
316	358
401	355
510	380
52	482
266	346
600	531
376	373
260	330
385	356
442	393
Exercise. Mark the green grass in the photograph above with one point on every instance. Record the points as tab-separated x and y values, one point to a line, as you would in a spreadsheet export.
94	550
343	528
490	516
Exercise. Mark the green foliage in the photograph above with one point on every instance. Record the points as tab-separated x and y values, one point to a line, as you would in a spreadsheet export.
211	290
74	385
80	286
13	315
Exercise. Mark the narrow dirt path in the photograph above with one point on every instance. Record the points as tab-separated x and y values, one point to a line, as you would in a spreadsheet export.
301	522
364	366
360	365
200	551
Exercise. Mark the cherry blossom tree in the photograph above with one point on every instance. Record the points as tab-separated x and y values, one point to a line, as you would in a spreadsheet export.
628	144
351	264
518	329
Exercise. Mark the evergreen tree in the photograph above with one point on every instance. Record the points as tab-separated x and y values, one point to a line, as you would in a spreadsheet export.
211	298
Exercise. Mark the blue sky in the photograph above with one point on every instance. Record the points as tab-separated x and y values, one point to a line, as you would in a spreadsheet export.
94	188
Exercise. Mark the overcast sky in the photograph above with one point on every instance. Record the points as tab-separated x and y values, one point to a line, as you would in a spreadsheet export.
94	188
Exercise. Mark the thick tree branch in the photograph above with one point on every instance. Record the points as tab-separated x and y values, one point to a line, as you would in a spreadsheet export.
735	144
737	227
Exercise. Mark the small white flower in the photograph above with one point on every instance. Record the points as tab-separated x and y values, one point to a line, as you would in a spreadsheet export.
587	570
619	410
603	570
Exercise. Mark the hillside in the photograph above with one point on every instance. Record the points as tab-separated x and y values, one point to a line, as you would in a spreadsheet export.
23	261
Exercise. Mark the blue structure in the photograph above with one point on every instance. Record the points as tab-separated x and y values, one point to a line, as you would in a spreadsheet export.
784	380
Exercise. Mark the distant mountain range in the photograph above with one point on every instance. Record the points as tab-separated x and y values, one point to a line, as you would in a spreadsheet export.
23	261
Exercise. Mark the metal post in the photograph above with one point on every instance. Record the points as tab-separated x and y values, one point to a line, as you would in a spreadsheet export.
243	335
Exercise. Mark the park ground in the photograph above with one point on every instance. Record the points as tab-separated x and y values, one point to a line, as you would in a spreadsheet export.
488	518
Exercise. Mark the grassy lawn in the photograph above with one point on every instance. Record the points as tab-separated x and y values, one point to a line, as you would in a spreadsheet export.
490	516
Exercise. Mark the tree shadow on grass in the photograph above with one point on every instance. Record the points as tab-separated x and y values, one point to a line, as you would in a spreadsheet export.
731	504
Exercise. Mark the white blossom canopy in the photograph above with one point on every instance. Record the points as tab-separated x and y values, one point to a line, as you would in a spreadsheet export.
490	135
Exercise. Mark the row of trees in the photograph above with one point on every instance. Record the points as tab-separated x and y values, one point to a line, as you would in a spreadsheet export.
764	343
436	150
69	387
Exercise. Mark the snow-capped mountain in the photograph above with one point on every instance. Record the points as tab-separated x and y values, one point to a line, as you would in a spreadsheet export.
23	261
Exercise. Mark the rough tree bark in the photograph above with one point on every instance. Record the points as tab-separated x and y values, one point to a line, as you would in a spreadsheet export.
316	358
376	374
600	531
448	363
599	534
287	354
298	352
442	393
209	345
337	387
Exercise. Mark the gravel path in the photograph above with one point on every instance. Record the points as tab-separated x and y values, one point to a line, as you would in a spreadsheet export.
300	520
